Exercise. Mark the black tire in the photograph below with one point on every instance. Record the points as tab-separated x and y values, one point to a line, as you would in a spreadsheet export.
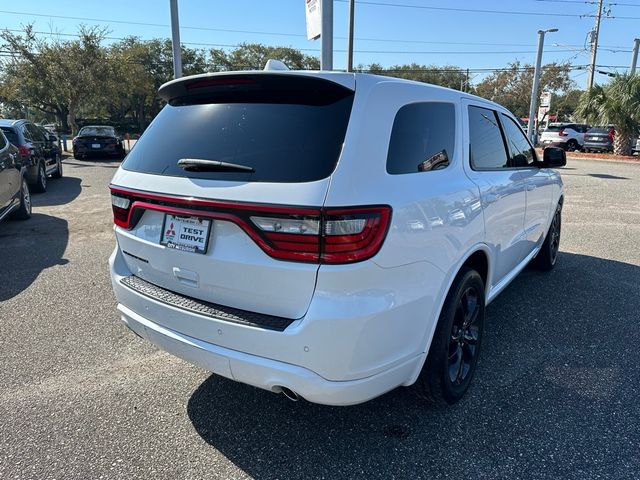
548	255
455	348
573	145
41	180
77	156
24	211
58	172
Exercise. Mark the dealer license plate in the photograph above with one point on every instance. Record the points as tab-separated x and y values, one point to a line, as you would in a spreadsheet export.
190	234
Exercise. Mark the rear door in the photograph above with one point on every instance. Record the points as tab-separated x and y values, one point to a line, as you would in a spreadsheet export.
237	238
502	190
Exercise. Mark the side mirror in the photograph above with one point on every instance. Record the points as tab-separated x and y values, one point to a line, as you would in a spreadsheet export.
554	157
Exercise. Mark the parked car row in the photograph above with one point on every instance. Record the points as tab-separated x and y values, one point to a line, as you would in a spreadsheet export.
38	151
579	136
29	155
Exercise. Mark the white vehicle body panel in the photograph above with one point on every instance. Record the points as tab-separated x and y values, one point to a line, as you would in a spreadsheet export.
360	329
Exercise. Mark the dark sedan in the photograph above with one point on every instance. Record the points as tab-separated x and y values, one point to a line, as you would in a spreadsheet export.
599	139
98	140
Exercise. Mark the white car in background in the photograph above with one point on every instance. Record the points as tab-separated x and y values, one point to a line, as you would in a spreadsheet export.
569	136
325	235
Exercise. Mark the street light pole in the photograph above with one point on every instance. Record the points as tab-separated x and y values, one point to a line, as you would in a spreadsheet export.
536	83
350	46
634	56
175	39
326	35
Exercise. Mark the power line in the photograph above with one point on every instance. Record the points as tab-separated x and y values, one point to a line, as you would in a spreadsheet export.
466	10
496	12
382	52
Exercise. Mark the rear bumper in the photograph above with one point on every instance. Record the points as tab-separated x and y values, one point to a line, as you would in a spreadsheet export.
266	373
84	150
351	346
601	147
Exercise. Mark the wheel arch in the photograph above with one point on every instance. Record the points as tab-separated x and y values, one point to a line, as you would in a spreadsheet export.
478	258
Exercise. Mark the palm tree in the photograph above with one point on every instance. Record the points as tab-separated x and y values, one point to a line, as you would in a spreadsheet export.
616	103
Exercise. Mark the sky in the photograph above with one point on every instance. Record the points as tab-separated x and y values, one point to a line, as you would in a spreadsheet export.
388	32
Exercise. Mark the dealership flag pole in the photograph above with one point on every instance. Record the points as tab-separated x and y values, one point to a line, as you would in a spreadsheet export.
175	39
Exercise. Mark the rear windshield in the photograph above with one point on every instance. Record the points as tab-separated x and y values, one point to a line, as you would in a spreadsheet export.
285	132
599	130
11	135
98	131
555	128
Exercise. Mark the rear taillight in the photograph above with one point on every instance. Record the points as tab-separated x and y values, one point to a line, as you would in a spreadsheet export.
561	133
301	234
120	206
24	151
611	134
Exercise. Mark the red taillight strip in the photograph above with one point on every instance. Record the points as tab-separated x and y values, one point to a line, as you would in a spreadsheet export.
332	249
201	202
242	223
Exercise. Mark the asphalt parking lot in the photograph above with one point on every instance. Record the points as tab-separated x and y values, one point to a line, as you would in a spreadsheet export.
556	394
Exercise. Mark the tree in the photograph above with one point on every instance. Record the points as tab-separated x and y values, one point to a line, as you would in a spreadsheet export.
137	68
54	77
617	103
511	87
565	104
254	56
446	76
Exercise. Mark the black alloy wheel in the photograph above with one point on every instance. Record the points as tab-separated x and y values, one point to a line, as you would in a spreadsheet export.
455	347
463	342
24	211
572	145
41	180
548	254
58	172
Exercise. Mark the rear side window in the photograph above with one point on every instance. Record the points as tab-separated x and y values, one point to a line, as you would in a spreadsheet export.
486	147
11	135
520	151
421	132
3	142
288	129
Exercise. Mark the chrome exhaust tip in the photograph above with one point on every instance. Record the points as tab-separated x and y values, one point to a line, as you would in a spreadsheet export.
290	394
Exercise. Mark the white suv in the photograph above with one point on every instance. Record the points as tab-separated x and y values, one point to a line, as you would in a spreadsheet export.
329	236
569	136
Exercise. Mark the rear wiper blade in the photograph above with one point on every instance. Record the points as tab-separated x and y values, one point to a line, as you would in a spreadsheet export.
203	165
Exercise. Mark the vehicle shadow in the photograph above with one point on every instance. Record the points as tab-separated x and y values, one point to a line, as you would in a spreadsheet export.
27	248
554	397
59	192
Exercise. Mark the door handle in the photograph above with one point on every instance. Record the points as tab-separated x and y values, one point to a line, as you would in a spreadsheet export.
530	187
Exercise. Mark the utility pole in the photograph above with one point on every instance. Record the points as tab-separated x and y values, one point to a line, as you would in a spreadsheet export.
533	106
175	39
468	87
594	47
634	56
352	4
326	37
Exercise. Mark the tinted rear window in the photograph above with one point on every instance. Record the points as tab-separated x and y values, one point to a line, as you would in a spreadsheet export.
604	130
99	131
286	133
420	130
11	135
